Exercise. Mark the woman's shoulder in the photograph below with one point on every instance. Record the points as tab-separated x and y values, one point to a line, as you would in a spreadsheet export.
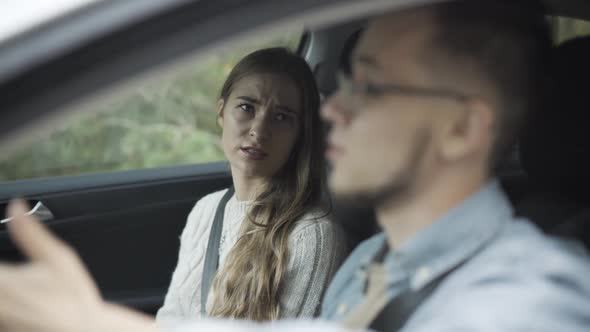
209	200
203	210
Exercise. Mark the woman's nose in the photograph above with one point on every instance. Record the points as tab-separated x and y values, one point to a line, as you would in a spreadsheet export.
260	130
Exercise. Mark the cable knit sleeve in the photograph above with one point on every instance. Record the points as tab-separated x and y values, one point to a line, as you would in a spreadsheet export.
183	297
316	250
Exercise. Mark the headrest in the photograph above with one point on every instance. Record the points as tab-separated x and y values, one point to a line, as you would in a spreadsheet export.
555	147
325	71
345	61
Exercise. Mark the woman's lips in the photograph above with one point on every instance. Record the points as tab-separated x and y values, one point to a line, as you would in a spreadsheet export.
253	153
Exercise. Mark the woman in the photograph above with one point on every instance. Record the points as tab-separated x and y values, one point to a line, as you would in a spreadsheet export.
278	250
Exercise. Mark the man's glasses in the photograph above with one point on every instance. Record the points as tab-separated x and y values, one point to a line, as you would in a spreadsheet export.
365	89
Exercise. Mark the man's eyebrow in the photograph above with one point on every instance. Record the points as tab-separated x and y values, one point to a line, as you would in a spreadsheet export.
249	99
366	60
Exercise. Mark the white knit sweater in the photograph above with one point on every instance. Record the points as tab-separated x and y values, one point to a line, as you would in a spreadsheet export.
316	247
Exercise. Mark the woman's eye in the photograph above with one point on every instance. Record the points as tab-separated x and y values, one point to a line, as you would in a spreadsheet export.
246	108
284	118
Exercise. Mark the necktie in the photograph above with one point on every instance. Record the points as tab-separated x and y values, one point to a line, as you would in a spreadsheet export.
375	300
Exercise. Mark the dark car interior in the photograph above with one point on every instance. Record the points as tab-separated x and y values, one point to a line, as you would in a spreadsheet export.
126	225
554	150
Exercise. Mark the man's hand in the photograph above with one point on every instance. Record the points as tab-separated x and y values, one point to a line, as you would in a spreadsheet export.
53	291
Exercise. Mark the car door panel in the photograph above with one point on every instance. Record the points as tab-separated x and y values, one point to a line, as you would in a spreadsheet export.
126	232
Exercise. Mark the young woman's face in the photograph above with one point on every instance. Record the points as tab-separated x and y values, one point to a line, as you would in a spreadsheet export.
260	120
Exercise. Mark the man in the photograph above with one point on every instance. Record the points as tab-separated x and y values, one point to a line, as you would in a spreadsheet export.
417	132
436	97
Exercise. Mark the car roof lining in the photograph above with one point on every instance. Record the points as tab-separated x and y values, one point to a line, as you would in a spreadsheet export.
569	8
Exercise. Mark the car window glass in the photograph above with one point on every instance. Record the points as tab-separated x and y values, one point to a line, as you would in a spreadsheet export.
167	123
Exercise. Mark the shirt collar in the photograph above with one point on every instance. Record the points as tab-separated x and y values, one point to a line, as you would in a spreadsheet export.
452	239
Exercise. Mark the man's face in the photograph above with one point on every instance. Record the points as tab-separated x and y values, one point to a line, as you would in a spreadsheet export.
384	145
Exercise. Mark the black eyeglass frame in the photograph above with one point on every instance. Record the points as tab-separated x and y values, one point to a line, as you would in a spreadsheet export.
369	89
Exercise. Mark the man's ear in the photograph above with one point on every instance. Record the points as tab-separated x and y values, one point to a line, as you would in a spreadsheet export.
220	106
470	131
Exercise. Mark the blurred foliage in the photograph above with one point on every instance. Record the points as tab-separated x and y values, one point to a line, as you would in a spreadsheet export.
169	123
568	28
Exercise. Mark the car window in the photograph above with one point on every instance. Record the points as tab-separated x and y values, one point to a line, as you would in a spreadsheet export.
19	16
566	28
165	123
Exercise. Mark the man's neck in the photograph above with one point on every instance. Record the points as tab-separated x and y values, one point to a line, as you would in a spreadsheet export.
403	219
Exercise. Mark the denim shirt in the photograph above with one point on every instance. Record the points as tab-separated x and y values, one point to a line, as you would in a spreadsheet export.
505	274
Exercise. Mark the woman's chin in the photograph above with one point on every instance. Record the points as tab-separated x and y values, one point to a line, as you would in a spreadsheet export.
250	169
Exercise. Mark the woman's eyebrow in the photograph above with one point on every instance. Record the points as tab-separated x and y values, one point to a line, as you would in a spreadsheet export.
256	101
286	109
249	99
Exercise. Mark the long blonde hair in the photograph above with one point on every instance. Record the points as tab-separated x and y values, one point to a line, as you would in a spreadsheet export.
247	285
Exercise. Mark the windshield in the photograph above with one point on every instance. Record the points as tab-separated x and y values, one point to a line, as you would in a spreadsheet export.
17	16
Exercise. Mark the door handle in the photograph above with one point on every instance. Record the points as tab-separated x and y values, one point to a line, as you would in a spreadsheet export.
39	210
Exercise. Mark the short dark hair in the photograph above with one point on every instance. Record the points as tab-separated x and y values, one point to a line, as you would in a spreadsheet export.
509	41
